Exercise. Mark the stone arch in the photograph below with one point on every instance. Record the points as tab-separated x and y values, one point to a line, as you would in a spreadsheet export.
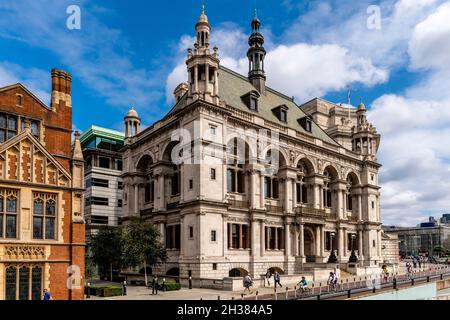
353	177
144	161
307	163
249	151
283	159
309	241
334	173
237	272
276	268
166	154
174	272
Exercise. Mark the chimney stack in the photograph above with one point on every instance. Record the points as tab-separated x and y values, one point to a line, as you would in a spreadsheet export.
179	91
61	88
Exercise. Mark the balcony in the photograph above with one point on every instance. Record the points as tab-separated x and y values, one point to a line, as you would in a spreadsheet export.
311	212
237	204
274	208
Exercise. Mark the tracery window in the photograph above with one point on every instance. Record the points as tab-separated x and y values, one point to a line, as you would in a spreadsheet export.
8	213
44	216
23	282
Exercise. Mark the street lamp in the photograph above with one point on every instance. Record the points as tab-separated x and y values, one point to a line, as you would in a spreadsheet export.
353	257
332	258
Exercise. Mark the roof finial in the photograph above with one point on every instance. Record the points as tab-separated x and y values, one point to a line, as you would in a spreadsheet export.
203	6
256	13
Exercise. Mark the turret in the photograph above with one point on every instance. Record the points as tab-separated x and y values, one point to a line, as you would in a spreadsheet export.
256	55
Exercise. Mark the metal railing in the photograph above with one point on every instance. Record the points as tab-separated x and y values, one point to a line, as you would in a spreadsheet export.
311	212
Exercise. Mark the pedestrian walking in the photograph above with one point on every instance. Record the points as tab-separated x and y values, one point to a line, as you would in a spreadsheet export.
248	283
155	285
268	276
276	278
47	295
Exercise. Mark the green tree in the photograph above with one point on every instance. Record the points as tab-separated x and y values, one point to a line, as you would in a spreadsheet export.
142	246
438	250
106	249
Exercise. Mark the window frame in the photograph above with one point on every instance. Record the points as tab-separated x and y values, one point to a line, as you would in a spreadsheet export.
46	216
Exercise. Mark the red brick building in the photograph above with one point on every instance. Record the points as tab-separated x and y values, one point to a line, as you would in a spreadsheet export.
42	232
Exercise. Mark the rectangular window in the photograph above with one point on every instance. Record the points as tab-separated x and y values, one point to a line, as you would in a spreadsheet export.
120	185
8	213
104	162
99	220
231	181
100	183
213	236
212	130
213	174
97	201
214	266
283	115
234	236
191	184
44	216
119	165
373	205
240	182
8	127
191	232
119	203
253	103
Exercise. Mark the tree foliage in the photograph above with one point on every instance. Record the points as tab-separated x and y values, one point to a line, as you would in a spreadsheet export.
141	244
107	250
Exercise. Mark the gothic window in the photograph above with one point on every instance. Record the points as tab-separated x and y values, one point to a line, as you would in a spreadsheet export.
44	216
8	213
23	282
8	127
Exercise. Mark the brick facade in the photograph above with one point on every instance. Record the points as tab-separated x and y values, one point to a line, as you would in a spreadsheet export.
35	164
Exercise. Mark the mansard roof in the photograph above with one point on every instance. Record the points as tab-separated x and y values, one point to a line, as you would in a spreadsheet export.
232	86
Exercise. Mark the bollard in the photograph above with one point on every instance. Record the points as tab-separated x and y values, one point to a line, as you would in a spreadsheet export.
88	295
295	292
442	276
190	282
412	281
256	296
348	285
318	297
124	288
320	287
276	296
349	294
287	293
164	285
232	298
374	288
428	278
242	296
201	299
218	298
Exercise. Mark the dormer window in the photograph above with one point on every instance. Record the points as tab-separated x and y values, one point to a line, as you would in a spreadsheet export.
306	123
251	100
281	112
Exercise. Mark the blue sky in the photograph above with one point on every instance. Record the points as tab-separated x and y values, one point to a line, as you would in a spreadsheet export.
132	53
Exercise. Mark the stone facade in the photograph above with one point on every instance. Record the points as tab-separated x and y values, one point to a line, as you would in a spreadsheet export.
41	195
238	178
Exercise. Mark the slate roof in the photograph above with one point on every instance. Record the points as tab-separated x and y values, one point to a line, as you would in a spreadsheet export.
232	86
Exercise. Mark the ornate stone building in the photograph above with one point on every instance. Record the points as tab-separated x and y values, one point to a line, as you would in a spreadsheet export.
41	195
239	178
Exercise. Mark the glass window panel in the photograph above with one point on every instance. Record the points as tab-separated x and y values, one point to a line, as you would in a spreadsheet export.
11	205
36	286
1	204
2	121
37	228
34	128
50	208
49	228
11	227
24	283
230	180
1	225
2	136
10	286
11	134
38	207
12	123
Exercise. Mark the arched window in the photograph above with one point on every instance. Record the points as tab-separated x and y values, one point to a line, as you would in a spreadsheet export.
237	156
327	198
349	198
302	187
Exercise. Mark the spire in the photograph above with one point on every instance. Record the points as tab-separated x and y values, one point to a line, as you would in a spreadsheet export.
77	153
256	55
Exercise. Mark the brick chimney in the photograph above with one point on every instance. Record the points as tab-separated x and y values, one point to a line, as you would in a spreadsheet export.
61	88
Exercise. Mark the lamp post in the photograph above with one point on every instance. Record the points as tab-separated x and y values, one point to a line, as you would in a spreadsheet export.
353	257
332	258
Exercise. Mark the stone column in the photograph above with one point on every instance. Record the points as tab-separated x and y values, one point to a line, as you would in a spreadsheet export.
225	236
340	244
161	183
322	242
286	195
253	200
318	241
216	83
296	242
276	238
136	199
287	243
302	241
256	250
338	208
317	196
262	238
207	78
240	236
360	245
196	79
294	194
230	236
261	187
360	207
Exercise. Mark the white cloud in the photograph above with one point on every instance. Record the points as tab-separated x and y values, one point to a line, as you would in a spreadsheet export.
97	55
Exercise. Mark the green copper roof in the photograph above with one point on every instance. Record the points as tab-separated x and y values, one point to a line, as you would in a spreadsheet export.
232	86
95	131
